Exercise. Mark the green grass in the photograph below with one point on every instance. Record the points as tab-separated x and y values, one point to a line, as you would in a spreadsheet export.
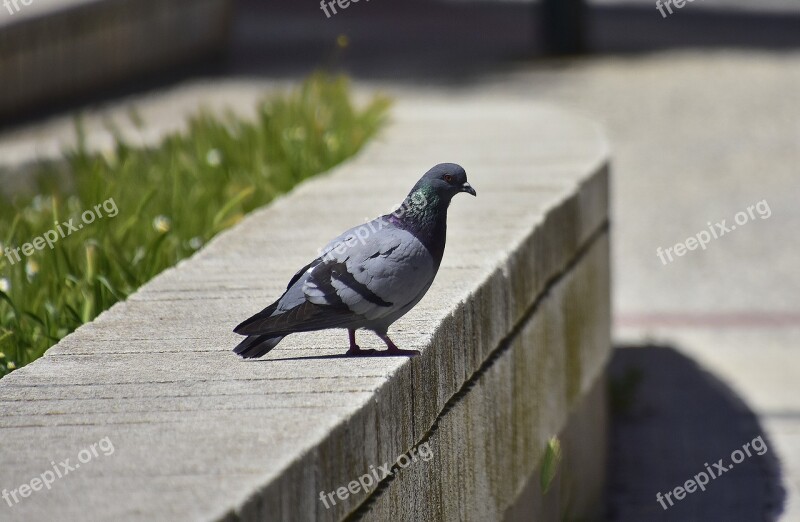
169	201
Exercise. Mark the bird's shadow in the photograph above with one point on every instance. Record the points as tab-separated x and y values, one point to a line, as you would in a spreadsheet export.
369	355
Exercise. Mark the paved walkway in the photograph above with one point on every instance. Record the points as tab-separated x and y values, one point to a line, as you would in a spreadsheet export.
697	138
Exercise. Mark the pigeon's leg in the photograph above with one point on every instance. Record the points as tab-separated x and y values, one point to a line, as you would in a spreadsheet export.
354	349
392	349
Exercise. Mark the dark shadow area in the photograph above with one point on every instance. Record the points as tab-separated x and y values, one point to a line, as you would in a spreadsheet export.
415	41
670	420
629	29
437	43
445	42
371	354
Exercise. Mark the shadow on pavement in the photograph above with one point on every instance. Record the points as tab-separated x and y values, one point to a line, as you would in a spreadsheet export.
671	419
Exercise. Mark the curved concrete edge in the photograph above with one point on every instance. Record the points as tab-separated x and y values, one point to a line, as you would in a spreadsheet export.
542	381
200	434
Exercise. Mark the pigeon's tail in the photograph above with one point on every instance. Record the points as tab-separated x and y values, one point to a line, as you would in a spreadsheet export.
255	346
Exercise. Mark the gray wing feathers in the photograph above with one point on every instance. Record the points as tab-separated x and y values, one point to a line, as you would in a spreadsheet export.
374	277
360	277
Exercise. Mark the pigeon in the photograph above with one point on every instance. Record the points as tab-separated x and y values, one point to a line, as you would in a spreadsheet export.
368	277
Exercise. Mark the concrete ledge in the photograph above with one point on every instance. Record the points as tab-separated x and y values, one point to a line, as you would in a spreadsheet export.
491	435
52	50
514	337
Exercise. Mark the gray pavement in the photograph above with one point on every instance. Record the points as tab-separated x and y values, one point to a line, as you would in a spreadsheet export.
697	138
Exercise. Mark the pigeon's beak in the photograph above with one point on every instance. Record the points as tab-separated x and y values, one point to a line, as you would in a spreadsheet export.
466	187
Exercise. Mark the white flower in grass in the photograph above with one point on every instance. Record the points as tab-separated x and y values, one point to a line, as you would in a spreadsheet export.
31	268
295	134
39	202
332	143
214	158
162	224
11	365
5	284
196	242
110	155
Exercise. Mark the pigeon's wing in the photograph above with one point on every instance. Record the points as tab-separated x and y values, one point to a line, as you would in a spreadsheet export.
372	275
294	313
365	274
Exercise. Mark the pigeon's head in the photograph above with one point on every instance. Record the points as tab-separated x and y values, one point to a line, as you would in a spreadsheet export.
446	180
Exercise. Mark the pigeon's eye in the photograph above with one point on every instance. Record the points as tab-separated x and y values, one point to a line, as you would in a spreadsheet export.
448	178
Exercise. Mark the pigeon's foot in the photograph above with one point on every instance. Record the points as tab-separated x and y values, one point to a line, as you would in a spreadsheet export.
355	351
392	349
397	352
